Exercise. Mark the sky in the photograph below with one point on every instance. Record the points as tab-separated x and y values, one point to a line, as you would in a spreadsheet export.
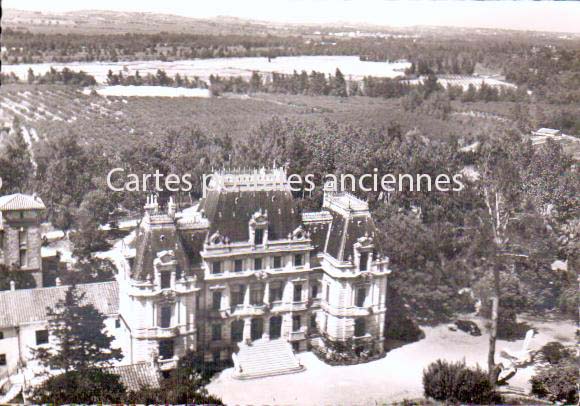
555	16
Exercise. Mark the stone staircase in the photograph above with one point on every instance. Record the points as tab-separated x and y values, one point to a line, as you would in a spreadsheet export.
264	358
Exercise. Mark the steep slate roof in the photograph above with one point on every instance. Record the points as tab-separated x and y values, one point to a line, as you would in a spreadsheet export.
153	239
344	233
30	305
230	211
19	201
137	376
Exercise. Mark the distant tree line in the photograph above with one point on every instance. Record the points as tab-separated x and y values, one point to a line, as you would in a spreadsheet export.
161	78
64	77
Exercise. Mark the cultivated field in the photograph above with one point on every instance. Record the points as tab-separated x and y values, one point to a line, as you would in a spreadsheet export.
52	109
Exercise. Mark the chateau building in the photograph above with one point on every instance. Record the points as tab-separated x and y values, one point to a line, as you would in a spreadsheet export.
245	265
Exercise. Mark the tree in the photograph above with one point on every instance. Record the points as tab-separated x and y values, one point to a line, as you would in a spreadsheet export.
501	192
16	167
30	76
92	386
185	385
81	340
339	84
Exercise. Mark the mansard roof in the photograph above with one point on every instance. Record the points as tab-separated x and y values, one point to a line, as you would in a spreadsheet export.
30	305
230	212
344	220
19	201
156	233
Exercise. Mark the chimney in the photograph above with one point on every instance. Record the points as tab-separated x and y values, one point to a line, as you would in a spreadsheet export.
171	208
151	207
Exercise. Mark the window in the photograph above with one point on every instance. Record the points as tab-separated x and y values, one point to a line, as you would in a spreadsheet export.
314	290
359	327
166	349
117	323
297	293
313	321
216	267
22	238
277	262
258	236
216	300
2	359
361	294
238	294
275	291
237	331
216	332
22	257
216	356
165	280
165	319
257	295
298	260
364	260
238	265
257	264
1	335
296	323
41	337
327	293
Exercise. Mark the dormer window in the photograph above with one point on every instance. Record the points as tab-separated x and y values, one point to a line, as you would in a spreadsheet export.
258	228
364	261
259	236
165	279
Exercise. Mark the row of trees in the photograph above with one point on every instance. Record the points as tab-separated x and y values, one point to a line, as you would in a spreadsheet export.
161	78
53	77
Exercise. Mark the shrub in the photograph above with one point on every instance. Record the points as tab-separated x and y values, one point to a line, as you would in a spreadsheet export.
554	352
557	381
454	382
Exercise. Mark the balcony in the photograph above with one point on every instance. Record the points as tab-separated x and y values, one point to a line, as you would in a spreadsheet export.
297	335
167	364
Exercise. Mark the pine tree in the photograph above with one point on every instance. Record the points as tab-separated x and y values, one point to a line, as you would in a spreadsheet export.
16	166
81	342
339	84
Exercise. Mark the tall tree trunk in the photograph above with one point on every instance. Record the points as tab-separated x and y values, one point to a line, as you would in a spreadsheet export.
493	370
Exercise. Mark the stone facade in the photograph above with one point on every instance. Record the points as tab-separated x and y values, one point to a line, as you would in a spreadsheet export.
246	265
243	265
20	236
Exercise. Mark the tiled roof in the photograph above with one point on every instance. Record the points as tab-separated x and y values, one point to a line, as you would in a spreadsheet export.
18	201
137	376
29	305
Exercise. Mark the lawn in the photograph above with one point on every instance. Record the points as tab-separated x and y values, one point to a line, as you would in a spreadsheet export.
390	379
